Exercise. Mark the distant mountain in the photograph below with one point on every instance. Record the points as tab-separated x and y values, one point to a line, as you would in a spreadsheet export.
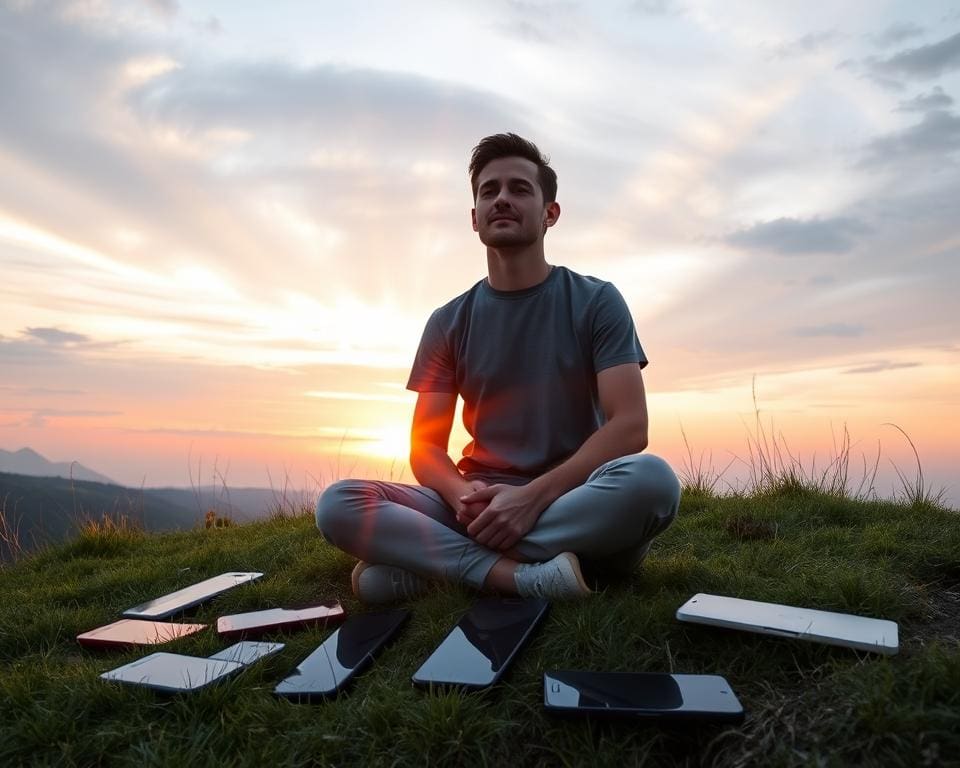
28	462
46	510
239	504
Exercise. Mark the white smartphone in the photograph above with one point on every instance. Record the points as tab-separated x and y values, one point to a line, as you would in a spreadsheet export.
173	673
168	605
860	632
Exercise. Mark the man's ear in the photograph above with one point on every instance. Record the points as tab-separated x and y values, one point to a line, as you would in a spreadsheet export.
550	215
473	219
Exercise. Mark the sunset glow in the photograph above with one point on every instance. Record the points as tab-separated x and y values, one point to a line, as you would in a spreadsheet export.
224	226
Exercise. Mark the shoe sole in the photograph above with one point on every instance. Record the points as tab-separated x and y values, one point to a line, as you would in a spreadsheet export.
574	562
359	568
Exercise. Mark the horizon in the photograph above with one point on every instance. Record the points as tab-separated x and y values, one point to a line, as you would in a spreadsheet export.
222	228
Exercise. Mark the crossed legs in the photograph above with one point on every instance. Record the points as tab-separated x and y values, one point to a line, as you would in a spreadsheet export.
611	518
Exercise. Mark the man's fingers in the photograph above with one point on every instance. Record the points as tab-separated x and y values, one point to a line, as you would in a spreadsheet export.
481	494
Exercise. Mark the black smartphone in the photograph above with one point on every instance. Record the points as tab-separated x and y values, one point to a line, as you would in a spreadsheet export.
642	694
482	644
345	653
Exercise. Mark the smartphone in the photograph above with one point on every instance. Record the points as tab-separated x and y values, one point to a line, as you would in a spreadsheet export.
173	673
168	605
246	652
350	649
482	644
259	622
642	695
127	633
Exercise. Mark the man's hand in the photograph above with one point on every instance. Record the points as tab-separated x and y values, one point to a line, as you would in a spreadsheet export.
468	511
511	511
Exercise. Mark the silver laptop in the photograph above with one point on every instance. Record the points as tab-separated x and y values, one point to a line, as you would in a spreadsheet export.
860	632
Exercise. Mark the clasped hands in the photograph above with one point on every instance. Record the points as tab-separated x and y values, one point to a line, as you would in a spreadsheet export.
498	516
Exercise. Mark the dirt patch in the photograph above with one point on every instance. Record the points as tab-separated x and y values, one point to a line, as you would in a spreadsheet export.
940	621
748	528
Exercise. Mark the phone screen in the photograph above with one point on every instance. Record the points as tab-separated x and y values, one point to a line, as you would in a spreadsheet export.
482	644
642	693
167	605
246	652
173	672
278	618
343	654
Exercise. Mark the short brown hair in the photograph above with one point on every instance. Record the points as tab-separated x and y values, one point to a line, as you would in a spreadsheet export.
510	145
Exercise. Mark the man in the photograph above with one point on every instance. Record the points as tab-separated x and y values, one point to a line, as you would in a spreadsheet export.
548	364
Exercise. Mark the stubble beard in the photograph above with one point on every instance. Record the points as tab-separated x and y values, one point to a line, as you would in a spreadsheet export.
520	239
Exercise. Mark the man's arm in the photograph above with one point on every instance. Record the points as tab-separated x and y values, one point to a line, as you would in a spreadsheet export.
429	460
512	511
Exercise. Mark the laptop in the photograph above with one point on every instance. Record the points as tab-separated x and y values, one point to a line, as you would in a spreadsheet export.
859	632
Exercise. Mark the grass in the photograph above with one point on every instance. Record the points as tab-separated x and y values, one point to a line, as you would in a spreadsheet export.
807	704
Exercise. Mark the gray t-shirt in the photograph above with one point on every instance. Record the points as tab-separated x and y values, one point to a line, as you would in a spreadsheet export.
526	363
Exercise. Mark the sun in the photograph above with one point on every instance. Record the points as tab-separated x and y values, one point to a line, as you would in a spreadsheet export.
392	442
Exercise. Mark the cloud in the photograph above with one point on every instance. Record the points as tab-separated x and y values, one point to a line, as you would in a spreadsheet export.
793	237
657	7
809	43
212	26
897	33
838	330
925	62
41	391
165	8
540	22
47	345
55	336
934	137
881	366
38	418
926	102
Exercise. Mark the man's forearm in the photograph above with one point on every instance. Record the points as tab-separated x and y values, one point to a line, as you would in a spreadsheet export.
621	436
433	468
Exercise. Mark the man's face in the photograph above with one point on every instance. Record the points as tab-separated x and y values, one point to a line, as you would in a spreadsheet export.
510	211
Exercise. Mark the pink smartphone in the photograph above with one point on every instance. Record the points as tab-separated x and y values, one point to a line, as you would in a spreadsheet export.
133	632
272	619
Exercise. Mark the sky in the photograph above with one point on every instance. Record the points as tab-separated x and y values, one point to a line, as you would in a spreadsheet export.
223	225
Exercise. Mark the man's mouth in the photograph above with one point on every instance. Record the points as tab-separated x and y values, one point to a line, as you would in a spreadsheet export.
492	219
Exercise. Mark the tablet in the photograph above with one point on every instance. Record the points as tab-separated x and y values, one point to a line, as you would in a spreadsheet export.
173	673
859	632
259	622
167	605
132	632
643	695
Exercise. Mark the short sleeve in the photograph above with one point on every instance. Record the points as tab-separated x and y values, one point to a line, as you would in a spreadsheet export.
615	339
433	368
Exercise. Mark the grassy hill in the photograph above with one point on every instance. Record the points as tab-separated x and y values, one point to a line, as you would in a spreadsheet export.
47	510
807	704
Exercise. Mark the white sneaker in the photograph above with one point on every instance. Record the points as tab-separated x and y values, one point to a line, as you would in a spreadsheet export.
385	583
556	579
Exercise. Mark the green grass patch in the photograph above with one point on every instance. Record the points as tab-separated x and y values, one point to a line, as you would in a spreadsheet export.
807	704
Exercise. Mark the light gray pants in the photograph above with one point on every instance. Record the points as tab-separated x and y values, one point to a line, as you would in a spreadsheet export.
610	519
